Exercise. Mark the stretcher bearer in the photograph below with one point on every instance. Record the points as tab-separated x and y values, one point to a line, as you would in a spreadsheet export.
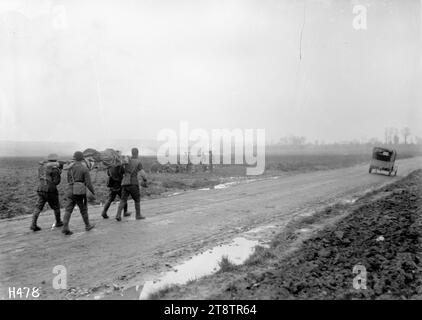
79	180
130	184
114	183
49	174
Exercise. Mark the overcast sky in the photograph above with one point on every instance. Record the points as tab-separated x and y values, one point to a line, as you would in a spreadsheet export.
75	70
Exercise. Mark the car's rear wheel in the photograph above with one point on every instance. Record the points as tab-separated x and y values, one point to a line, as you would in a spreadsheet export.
370	169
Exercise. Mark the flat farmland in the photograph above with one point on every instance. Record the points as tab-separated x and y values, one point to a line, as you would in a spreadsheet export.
18	175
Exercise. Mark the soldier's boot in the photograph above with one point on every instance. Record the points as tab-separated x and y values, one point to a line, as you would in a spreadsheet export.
34	226
59	222
119	212
138	211
106	207
88	226
125	212
66	219
104	214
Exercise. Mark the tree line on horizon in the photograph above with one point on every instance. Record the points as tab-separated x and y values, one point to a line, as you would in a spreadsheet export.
392	136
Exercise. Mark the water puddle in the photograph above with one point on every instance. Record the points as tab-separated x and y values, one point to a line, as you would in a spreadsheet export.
307	214
201	265
173	194
225	185
230	184
198	266
348	201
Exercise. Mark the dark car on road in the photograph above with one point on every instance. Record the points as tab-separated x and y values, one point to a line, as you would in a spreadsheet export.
383	159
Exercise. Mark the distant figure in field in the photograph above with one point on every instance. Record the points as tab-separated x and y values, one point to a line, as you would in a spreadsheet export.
79	180
130	184
49	175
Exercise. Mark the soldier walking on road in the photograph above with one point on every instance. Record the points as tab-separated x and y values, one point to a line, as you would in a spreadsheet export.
115	177
130	184
49	174
79	180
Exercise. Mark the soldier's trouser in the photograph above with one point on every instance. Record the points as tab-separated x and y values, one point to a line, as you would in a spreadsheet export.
133	191
52	199
72	201
111	196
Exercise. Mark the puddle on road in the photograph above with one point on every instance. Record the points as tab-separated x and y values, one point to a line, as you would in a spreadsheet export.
198	266
230	184
224	185
221	186
174	194
348	201
307	214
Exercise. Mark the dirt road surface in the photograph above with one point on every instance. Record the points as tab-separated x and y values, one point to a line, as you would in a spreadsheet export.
176	228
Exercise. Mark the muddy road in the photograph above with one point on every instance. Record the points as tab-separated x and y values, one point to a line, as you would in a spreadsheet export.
176	228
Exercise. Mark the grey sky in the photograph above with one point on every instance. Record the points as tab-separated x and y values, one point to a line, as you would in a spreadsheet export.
74	70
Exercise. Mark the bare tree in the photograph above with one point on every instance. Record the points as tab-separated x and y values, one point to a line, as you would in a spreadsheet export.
406	133
388	135
395	133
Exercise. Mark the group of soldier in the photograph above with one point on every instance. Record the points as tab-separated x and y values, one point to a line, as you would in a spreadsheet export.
122	181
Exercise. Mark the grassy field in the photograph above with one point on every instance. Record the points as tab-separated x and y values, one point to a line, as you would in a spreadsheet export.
18	176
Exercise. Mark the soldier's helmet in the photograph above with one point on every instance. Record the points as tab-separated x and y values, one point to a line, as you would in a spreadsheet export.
78	156
52	157
135	152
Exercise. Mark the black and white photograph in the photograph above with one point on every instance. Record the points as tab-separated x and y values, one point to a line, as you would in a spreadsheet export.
229	151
